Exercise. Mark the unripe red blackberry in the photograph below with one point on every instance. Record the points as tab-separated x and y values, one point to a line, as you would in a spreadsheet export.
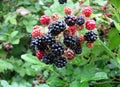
40	54
57	27
90	36
36	32
80	20
44	20
87	11
70	20
57	49
72	29
67	10
90	24
90	44
60	62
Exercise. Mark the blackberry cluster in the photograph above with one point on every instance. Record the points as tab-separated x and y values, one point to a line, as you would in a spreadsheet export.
48	46
60	62
70	41
48	58
70	20
62	1
80	20
57	27
49	39
38	43
57	49
90	36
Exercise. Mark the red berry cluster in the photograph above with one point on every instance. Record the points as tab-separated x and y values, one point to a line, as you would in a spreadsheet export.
61	41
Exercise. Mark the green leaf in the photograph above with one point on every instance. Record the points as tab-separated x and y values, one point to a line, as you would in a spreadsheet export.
115	3
4	83
83	84
75	84
32	59
4	65
13	21
100	76
15	39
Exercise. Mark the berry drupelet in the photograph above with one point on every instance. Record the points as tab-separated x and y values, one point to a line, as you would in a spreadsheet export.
90	36
70	20
57	27
57	49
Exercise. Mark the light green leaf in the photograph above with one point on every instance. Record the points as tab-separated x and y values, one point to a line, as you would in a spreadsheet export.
32	59
4	83
100	76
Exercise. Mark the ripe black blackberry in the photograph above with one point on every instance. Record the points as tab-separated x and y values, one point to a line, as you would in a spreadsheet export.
49	39
70	41
77	49
80	20
57	49
60	62
48	58
70	20
38	43
57	27
112	25
90	36
62	1
77	41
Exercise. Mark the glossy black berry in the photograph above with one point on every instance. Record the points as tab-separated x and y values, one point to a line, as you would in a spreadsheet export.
70	41
48	58
49	39
80	20
60	62
62	1
77	49
38	43
57	49
57	27
112	25
90	36
70	20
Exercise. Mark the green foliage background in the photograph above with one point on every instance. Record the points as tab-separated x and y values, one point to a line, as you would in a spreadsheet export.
96	67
